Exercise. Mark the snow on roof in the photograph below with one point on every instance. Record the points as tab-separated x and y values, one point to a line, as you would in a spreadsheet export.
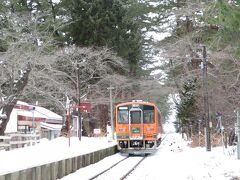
22	103
40	112
51	126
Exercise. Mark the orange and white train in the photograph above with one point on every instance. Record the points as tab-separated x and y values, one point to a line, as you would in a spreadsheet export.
139	127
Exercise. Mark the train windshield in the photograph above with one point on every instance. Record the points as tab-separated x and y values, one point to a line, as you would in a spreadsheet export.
135	117
148	114
123	116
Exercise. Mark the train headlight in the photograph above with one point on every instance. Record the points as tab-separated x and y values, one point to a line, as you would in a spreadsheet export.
123	144
149	144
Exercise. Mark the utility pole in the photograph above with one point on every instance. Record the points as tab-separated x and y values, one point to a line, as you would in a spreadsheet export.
205	99
111	110
79	103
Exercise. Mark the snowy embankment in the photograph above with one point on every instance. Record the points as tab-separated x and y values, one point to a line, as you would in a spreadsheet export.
175	160
49	151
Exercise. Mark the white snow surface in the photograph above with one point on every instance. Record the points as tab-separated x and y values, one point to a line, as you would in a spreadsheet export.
175	159
49	151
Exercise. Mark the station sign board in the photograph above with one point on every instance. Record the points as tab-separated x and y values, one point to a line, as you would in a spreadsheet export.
85	107
97	131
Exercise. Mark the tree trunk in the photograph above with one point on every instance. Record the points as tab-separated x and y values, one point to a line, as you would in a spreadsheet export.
13	98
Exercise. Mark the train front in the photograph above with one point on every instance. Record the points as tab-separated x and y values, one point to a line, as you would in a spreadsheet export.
137	127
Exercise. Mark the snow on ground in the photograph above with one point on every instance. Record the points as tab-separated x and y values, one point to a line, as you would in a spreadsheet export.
49	151
175	159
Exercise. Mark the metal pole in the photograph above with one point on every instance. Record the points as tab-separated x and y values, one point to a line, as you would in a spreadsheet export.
33	121
238	134
221	128
33	124
205	96
111	110
199	133
79	103
69	135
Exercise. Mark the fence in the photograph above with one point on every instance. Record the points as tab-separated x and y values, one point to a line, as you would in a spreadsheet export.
12	141
216	140
59	169
49	134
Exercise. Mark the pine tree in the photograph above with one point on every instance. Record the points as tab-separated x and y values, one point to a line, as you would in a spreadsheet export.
103	23
225	19
187	107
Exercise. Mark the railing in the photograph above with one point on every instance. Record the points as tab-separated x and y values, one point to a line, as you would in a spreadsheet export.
5	142
12	141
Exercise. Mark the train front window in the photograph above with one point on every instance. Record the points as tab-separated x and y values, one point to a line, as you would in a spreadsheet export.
135	117
148	114
123	116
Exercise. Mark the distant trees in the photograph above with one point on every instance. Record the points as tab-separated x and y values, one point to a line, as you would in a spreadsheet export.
102	23
20	42
108	40
214	24
29	49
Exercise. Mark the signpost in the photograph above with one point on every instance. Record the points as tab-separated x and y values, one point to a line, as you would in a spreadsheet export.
81	107
97	132
85	107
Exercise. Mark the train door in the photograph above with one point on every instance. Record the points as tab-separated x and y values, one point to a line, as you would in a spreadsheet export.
136	124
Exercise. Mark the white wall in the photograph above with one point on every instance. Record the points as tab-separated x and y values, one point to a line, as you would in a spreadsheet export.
12	123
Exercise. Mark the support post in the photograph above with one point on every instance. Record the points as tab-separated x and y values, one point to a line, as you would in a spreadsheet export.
69	130
33	120
238	134
79	103
222	133
111	110
205	99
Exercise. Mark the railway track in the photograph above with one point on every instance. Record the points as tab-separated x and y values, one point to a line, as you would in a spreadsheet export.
132	169
121	169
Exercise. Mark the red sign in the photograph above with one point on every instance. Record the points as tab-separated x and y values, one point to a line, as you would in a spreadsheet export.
26	118
85	107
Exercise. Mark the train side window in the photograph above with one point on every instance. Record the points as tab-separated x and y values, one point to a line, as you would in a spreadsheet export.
159	119
123	116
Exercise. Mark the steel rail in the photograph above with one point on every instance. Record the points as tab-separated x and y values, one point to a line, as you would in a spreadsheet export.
130	171
133	168
94	177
